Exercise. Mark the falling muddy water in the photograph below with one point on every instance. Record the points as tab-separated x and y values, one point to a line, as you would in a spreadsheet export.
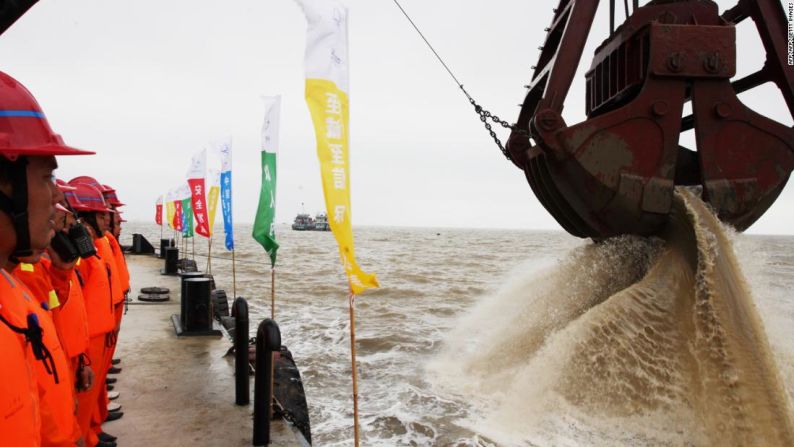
482	337
656	342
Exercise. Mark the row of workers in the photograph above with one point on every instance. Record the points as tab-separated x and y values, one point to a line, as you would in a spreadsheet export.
63	286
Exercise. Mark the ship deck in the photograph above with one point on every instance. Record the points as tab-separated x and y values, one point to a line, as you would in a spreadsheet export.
177	391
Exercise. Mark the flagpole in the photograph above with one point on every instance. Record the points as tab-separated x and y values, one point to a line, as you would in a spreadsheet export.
352	304
273	292
234	276
209	256
193	242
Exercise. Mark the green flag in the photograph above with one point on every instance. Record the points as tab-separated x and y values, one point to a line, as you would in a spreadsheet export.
264	224
187	222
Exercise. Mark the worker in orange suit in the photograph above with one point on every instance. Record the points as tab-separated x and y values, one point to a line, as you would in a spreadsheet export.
56	284
97	312
102	223
102	290
113	236
36	398
52	283
58	409
118	254
58	405
70	316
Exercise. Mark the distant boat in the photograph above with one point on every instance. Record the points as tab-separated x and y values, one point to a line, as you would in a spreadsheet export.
303	222
321	222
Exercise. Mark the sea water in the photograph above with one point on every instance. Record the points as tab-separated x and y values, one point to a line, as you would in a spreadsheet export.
499	337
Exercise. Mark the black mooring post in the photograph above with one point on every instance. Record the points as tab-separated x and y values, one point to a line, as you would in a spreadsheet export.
241	386
268	340
164	243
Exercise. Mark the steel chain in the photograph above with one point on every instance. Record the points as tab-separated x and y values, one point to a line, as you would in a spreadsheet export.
485	116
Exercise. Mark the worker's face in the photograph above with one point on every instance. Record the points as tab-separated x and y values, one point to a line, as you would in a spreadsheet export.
103	222
43	194
116	224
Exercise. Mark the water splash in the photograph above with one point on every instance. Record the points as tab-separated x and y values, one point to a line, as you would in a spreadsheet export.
631	341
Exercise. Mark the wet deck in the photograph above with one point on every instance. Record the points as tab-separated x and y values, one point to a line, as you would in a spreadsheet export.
177	391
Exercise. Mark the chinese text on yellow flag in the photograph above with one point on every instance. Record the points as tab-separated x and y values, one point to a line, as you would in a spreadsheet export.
327	97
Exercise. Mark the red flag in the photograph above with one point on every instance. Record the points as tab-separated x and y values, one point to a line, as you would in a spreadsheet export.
158	216
199	202
177	215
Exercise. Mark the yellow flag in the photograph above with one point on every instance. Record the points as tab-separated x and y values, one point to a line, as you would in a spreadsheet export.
212	198
327	97
214	188
169	212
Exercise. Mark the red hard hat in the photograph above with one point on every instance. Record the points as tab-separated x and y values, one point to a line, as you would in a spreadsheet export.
24	131
63	186
73	201
87	180
88	199
110	196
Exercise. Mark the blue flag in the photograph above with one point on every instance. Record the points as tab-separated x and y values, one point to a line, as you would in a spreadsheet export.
226	193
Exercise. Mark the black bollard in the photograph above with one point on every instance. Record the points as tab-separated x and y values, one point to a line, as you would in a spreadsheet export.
183	295
197	305
165	243
195	317
241	381
171	261
268	340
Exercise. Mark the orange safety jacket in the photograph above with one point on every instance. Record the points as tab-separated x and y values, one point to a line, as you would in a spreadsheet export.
20	422
98	295
54	376
67	314
121	262
70	317
38	282
106	253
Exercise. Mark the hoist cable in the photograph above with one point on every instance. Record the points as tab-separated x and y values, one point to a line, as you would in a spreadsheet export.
485	115
431	47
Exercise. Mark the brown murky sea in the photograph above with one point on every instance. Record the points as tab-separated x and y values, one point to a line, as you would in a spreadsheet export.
497	337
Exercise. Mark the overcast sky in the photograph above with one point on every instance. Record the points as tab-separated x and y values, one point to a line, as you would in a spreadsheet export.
146	84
